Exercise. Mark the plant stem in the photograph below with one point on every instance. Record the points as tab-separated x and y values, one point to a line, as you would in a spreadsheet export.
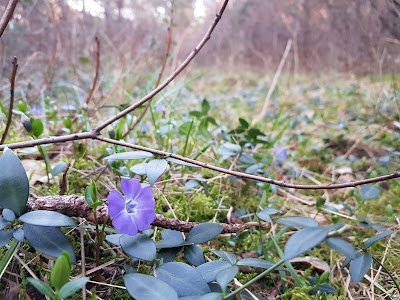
255	279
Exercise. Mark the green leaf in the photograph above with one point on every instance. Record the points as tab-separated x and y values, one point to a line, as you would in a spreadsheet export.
114	238
265	214
155	168
37	127
171	239
14	184
226	275
191	184
22	106
360	266
194	255
61	271
168	254
185	280
91	197
5	237
342	246
7	257
59	168
181	162
145	287
204	232
19	235
46	218
139	246
368	243
205	107
298	222
304	240
210	269
72	287
369	191
130	155
225	255
257	263
49	240
42	287
8	215
139	169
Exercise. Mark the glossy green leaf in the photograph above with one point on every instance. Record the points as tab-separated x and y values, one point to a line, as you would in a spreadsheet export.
49	240
14	184
5	237
72	287
168	254
368	243
304	240
139	246
114	238
266	213
42	287
360	266
139	169
225	255
61	271
145	287
369	191
155	168
257	263
91	195
130	155
46	218
59	168
171	239
3	223
298	222
226	275
8	215
342	246
19	235
37	127
210	269
194	255
204	232
205	107
185	280
191	184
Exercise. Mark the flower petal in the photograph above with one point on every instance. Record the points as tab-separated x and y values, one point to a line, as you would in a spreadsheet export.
124	223
145	199
116	203
130	187
144	218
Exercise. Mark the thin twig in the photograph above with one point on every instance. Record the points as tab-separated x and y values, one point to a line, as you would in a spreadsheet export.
273	84
10	109
162	86
7	15
96	75
160	74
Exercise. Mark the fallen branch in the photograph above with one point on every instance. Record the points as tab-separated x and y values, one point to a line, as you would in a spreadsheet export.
75	206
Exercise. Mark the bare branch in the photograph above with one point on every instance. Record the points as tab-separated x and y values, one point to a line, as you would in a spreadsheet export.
251	176
185	63
96	75
75	206
7	15
160	74
10	109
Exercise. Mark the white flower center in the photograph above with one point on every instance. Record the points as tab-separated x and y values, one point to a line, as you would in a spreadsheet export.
131	206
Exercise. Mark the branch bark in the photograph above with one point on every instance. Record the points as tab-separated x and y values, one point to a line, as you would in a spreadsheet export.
75	206
7	15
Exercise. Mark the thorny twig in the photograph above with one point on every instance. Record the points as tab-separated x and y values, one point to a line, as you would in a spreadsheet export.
160	74
11	106
7	15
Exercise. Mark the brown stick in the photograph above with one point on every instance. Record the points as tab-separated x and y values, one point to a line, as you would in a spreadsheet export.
160	74
96	75
186	62
10	109
75	206
7	15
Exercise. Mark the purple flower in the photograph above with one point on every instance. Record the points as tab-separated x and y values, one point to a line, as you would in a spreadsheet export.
280	153
36	110
135	210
